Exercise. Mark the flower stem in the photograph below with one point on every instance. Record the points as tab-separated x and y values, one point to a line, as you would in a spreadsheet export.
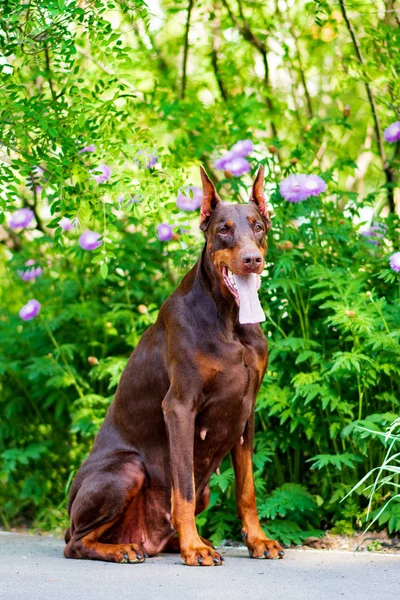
67	367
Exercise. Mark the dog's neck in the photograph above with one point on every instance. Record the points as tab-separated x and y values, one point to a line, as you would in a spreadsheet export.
207	282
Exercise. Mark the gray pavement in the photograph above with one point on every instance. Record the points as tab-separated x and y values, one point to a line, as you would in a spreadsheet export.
33	568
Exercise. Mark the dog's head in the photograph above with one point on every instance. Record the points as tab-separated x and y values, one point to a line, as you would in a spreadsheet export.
235	235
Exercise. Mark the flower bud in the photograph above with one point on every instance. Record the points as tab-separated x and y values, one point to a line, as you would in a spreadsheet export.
92	360
342	221
346	111
175	236
142	309
288	245
350	313
307	127
273	149
294	160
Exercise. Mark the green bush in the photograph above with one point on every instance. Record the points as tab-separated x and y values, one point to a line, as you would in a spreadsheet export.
106	74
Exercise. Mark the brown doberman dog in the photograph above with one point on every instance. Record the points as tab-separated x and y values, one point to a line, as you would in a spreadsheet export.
185	400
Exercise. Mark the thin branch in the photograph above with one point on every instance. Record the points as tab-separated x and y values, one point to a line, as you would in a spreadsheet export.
363	161
294	94
215	23
248	35
139	35
39	222
391	11
186	48
303	78
106	69
48	69
389	174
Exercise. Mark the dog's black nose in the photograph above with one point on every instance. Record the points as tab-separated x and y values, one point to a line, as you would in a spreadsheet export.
252	260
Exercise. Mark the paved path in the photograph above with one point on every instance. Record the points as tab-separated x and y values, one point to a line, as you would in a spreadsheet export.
32	568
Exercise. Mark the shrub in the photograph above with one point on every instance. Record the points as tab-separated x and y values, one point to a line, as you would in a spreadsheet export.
102	131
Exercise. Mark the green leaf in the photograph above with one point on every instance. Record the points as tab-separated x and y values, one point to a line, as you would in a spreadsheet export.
104	270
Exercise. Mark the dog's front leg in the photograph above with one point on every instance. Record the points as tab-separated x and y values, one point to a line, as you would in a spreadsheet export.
254	537
179	417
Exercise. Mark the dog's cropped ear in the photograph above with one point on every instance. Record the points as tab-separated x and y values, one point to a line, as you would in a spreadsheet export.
257	195
210	199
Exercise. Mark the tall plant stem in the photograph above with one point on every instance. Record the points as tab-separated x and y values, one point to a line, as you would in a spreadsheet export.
303	78
67	367
215	23
271	320
27	394
248	35
360	398
390	178
186	48
48	69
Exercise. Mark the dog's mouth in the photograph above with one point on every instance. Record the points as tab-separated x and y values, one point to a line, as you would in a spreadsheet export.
244	289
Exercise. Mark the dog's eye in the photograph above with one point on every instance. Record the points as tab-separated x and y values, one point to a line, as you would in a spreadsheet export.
223	230
258	227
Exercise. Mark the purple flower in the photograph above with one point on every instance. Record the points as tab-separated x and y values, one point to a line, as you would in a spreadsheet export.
233	161
65	224
375	233
395	262
314	185
164	232
190	198
221	163
21	218
90	240
237	166
146	159
30	274
90	148
104	173
152	161
243	148
296	188
30	310
392	133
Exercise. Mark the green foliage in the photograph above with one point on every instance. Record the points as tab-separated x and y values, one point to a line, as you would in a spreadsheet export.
105	73
385	476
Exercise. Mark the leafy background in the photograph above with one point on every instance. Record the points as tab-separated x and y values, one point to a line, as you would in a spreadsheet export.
313	85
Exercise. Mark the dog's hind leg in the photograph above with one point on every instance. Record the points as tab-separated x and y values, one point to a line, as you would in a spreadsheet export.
100	502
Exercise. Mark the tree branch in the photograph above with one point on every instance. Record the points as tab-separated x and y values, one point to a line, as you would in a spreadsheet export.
389	174
248	35
303	78
215	23
48	69
186	48
106	69
135	27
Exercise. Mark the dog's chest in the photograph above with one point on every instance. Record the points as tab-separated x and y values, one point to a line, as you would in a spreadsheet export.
231	380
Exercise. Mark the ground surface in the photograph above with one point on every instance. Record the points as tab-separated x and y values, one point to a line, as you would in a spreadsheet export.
32	568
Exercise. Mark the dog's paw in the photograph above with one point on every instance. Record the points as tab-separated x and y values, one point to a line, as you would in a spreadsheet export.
129	553
201	555
207	542
263	547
